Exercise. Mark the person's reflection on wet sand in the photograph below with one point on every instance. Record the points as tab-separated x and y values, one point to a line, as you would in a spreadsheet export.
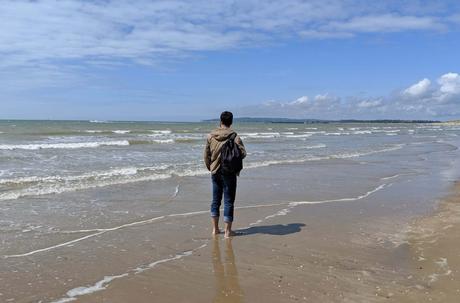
227	286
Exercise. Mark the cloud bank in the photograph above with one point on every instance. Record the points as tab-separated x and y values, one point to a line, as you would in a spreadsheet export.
423	99
49	32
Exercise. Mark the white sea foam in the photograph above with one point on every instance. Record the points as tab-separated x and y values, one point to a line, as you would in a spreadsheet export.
121	131
100	285
367	194
362	132
176	192
93	131
63	188
282	212
63	145
163	141
337	134
391	131
72	294
390	177
67	243
261	135
189	137
316	146
126	171
163	132
299	136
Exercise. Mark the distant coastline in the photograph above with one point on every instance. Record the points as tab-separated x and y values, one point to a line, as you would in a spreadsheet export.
314	121
242	119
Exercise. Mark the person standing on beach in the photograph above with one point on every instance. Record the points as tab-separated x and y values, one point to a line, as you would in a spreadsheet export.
223	177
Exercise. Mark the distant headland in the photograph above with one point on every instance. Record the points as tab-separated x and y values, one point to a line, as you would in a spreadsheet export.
314	121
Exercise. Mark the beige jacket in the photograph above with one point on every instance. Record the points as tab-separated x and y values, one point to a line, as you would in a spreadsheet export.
214	143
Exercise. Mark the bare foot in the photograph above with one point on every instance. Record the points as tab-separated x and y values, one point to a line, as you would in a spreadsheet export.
230	233
215	232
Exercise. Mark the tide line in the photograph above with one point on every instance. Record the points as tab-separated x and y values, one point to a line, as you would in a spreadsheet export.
102	284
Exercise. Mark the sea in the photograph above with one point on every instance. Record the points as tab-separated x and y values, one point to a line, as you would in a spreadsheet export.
53	157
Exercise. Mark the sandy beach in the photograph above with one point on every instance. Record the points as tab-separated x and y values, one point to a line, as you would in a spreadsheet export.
435	257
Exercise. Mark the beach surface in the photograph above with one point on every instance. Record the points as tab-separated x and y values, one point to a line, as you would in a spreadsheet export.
369	225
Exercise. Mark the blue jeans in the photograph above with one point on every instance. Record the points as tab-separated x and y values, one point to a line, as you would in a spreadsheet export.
223	185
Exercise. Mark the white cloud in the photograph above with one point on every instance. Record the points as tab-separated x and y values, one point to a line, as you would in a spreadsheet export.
317	34
450	83
300	101
385	23
369	103
419	101
418	89
144	31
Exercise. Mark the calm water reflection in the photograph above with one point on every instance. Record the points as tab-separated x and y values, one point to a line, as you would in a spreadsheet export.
227	286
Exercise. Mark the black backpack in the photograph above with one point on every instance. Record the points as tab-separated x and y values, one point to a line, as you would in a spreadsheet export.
231	160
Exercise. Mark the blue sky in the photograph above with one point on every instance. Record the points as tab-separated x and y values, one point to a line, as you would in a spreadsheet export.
189	60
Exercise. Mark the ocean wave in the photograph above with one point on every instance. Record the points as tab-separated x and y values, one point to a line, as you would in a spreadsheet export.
120	131
99	121
164	132
316	146
337	134
163	141
39	185
94	131
299	136
71	145
320	158
63	187
261	135
126	171
362	132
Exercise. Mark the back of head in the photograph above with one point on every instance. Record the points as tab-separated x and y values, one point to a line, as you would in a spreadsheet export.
226	118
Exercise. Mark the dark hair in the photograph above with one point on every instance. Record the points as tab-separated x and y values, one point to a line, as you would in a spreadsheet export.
226	118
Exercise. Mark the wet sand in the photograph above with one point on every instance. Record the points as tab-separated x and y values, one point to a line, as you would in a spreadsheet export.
433	242
309	233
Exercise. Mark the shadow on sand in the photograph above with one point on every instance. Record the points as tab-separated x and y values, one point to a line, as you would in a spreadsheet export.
277	229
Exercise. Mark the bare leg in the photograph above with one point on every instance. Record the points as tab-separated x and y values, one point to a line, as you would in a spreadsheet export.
228	230
215	226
